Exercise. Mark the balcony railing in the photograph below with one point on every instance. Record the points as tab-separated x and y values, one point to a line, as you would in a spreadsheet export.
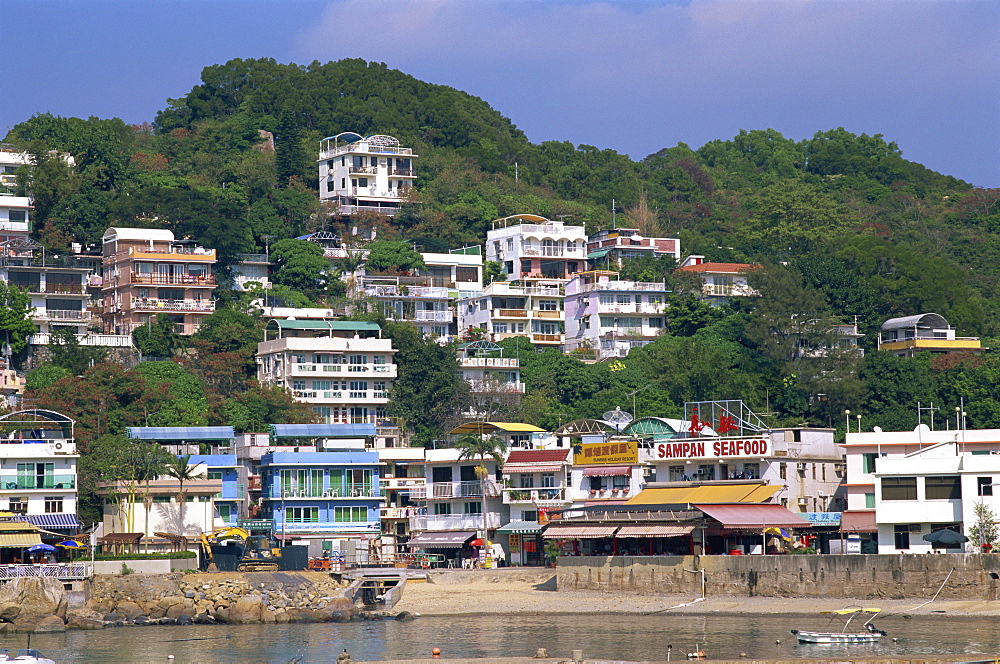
546	338
510	313
61	289
403	483
481	386
440	490
308	368
631	308
171	279
402	172
150	303
473	362
232	492
553	252
278	491
65	571
538	496
401	512
624	286
454	521
113	340
27	483
63	314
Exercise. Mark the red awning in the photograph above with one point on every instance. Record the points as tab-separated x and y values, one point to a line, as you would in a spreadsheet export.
539	468
862	521
580	531
654	531
745	516
607	471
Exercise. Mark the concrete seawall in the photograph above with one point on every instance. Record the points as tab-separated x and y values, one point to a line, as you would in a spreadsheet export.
973	576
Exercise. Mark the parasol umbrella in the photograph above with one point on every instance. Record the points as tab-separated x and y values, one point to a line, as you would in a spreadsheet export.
72	544
41	547
945	536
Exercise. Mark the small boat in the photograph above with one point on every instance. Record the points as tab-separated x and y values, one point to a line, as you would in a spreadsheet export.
871	633
24	656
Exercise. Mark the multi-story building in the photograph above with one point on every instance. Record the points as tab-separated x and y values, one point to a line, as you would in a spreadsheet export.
537	250
494	380
148	274
403	471
10	160
38	460
866	457
162	505
231	504
720	280
58	286
217	440
609	248
612	316
15	211
931	333
535	482
365	173
457	504
343	369
322	496
251	268
507	310
937	487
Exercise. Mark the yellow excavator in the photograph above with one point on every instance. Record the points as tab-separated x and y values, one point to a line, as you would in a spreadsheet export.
235	549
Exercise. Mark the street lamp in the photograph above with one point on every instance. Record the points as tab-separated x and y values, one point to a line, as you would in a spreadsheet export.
859	422
847	418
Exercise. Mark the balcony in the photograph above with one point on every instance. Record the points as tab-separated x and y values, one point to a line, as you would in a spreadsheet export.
445	490
110	340
305	368
37	482
187	254
454	521
548	314
173	279
652	286
232	491
401	512
279	492
510	313
402	483
484	362
60	289
554	252
547	338
62	314
544	496
402	172
154	304
434	316
495	386
644	308
362	170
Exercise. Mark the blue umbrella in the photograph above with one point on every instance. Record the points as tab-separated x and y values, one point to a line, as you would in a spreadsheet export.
71	544
41	547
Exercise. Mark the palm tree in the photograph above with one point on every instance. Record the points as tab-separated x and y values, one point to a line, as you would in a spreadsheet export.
349	264
180	469
477	446
151	462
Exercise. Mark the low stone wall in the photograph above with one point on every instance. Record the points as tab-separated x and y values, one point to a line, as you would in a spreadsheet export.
973	576
162	566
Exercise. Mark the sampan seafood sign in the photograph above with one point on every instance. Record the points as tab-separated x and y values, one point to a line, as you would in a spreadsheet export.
719	448
616	451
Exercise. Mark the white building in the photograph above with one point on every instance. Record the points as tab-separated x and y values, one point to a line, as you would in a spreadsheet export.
611	316
535	483
344	369
365	173
506	310
610	247
906	459
537	250
251	268
720	280
38	460
487	371
128	508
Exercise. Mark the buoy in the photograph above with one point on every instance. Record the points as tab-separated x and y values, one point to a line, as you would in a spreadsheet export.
436	653
777	642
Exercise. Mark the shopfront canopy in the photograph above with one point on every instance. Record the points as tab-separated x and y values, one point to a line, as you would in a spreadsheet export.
19	540
489	428
448	539
861	521
656	530
718	493
520	528
743	516
607	471
579	531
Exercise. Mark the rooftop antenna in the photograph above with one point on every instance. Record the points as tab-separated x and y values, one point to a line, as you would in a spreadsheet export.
617	418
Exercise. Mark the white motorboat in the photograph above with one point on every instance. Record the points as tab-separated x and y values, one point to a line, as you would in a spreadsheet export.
871	633
24	656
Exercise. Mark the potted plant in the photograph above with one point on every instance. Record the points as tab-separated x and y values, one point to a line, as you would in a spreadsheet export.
551	549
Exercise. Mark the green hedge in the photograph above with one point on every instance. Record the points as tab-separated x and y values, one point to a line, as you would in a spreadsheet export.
146	556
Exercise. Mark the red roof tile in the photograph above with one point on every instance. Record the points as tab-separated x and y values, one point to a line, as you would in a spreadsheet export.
536	456
727	268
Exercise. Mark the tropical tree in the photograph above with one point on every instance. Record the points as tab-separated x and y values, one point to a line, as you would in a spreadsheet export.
180	469
15	321
476	446
984	531
150	461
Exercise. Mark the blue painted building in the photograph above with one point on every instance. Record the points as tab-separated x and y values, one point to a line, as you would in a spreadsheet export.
231	502
325	496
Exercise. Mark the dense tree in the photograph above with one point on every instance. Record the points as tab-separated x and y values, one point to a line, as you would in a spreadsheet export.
158	338
15	321
299	264
392	257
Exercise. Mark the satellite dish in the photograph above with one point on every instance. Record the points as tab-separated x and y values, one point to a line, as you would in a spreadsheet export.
922	429
617	418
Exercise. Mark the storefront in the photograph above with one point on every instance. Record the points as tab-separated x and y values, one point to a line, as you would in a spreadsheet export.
446	548
582	539
524	543
858	533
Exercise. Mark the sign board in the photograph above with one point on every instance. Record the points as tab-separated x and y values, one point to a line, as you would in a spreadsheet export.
614	452
714	449
256	524
822	518
854	543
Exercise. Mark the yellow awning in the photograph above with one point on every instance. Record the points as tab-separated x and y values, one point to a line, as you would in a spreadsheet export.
721	493
17	526
493	427
19	540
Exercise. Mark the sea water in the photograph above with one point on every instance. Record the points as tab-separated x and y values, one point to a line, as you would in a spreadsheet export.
617	637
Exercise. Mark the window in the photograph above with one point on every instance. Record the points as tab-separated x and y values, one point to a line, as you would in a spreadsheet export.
605	298
321	385
783	471
500	328
17	215
161	499
676	473
623	298
379	386
984	486
53	504
19	504
359	385
868	462
656	322
548	305
298	384
442	509
619	482
706	472
526	267
548	479
527	480
752	471
352	514
597	483
899	488
225	512
362	182
214	475
35	476
901	536
529	515
870	501
466	274
473	507
943	487
302	515
656	299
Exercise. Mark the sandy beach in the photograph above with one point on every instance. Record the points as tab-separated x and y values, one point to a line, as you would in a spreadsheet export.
489	592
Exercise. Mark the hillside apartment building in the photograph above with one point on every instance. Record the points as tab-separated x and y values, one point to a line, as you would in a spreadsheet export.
365	173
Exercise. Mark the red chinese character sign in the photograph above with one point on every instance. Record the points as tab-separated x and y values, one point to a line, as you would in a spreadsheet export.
727	424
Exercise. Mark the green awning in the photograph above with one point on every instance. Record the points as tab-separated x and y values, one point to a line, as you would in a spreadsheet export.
600	253
520	528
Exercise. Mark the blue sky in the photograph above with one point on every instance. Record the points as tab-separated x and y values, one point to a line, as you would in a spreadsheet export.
631	76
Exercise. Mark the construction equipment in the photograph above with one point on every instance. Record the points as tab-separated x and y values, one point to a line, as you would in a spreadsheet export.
236	550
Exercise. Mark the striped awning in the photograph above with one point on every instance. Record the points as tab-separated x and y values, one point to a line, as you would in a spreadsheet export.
53	520
578	531
654	531
607	471
19	540
538	468
520	528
